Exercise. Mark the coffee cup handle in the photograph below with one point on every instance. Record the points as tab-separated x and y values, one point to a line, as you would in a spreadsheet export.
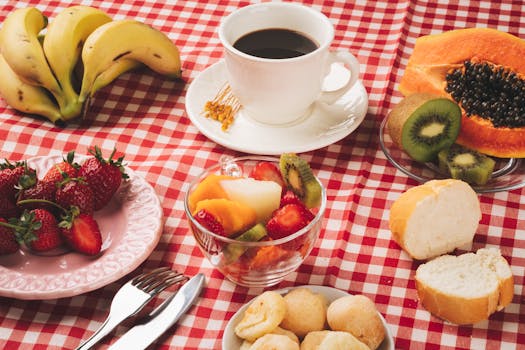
349	62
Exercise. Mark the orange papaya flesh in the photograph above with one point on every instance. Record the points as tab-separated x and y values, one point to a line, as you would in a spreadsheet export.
435	56
479	134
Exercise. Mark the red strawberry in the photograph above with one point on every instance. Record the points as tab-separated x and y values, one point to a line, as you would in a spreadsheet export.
206	219
75	191
287	220
290	197
269	172
103	176
82	233
8	207
8	242
41	190
38	229
10	175
67	166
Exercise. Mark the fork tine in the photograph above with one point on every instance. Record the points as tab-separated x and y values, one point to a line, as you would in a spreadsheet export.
160	285
147	276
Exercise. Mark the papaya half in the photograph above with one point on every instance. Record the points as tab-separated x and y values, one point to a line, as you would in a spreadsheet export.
479	68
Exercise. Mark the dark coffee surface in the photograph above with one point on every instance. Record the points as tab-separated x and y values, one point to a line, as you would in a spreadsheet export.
275	43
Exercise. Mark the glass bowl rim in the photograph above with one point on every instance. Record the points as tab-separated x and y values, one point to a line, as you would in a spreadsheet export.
318	217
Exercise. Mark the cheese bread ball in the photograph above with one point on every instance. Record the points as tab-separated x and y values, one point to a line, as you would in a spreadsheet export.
274	342
246	345
357	315
262	316
305	311
289	334
332	340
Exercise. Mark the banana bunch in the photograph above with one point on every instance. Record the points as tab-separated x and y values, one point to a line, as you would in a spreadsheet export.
54	73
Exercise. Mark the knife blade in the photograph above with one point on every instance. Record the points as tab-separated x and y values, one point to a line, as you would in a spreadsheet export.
162	318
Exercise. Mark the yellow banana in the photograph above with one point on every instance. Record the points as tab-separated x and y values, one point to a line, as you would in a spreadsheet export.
63	44
128	39
115	70
21	48
25	97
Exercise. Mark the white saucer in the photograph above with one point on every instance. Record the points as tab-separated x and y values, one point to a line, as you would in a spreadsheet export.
325	125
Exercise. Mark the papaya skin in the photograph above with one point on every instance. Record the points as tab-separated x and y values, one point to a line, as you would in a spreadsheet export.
434	55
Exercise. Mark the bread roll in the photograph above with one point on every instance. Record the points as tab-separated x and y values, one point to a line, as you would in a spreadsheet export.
246	345
274	342
262	316
305	311
465	289
435	218
332	340
289	334
357	315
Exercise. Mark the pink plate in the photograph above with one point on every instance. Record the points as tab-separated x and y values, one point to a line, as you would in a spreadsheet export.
131	225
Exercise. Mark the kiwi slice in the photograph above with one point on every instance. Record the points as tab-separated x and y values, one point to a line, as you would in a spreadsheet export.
299	178
233	251
465	164
424	124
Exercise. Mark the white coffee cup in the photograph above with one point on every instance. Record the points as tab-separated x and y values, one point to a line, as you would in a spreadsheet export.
281	91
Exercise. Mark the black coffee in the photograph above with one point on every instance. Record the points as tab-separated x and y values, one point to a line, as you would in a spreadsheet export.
275	43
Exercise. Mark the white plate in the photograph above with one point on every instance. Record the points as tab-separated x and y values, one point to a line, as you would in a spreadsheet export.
131	225
231	342
325	125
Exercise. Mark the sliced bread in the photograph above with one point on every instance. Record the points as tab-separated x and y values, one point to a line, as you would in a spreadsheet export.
435	218
465	289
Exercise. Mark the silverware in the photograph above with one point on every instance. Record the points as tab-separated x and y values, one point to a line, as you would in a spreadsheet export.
162	318
131	298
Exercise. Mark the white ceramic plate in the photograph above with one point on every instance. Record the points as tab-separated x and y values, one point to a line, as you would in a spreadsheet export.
509	173
131	225
325	125
231	342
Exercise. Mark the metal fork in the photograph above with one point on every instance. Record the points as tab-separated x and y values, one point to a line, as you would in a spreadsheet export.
132	297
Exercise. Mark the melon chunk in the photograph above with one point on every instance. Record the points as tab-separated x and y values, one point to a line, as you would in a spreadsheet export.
208	188
262	196
234	217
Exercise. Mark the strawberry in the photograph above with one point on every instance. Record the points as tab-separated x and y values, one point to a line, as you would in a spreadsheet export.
8	242
10	175
67	166
75	191
290	197
103	176
287	220
269	172
38	229
41	190
8	207
206	219
81	232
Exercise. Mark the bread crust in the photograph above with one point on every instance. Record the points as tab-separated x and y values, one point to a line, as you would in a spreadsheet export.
435	218
455	309
465	308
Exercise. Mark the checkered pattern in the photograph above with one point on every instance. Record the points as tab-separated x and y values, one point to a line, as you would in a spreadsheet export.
143	115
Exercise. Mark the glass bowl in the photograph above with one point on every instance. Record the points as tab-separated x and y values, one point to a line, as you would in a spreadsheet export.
509	173
263	263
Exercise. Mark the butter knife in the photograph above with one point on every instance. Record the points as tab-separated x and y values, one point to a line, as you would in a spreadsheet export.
162	318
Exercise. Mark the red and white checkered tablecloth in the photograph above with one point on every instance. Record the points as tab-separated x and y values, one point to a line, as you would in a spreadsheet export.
143	116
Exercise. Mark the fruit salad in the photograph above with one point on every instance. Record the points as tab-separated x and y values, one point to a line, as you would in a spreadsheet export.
262	216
